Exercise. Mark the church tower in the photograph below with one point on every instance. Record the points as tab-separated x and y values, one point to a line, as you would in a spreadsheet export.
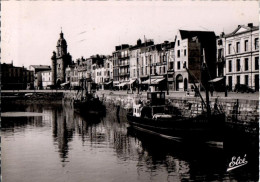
60	61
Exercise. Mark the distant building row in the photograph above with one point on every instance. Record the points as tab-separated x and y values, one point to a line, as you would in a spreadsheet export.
230	59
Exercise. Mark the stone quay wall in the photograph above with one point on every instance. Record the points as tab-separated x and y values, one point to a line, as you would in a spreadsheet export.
244	110
241	114
235	109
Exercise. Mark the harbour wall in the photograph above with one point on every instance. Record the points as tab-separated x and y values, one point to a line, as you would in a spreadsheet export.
235	109
241	114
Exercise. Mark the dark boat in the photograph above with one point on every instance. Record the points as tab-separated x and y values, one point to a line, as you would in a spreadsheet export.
156	118
86	102
89	105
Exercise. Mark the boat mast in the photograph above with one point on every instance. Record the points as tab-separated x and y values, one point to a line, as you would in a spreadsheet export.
206	85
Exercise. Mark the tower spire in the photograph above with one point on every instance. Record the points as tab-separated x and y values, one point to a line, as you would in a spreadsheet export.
61	33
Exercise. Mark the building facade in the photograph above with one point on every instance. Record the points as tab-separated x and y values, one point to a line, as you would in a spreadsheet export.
38	69
13	77
192	50
121	64
238	56
72	77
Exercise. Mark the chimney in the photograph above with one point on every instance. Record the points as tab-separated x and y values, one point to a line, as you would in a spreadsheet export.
139	42
250	25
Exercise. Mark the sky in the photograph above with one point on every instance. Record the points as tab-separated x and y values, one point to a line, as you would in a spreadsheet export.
30	29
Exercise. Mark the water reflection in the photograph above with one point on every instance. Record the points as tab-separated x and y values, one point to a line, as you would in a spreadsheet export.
109	144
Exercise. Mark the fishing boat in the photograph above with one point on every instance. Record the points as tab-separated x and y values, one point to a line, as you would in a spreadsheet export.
156	118
87	102
89	105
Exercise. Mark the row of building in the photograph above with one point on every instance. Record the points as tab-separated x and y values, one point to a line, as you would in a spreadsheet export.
193	57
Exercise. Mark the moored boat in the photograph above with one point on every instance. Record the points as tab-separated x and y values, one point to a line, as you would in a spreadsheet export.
89	105
155	118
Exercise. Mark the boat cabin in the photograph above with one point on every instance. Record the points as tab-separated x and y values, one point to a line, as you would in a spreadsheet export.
156	105
156	98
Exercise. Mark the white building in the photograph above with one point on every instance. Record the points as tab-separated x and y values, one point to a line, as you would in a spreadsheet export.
240	51
46	78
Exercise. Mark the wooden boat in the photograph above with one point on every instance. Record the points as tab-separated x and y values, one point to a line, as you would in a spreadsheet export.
89	105
86	103
156	119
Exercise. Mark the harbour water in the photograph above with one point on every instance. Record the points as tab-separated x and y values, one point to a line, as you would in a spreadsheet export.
52	143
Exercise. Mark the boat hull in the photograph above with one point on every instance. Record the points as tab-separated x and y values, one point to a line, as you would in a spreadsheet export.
91	107
201	128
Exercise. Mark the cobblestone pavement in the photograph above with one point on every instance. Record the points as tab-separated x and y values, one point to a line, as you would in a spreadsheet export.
231	95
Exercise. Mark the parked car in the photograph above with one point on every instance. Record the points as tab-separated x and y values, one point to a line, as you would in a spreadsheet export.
243	88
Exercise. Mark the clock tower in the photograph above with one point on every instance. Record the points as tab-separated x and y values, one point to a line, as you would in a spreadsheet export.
60	61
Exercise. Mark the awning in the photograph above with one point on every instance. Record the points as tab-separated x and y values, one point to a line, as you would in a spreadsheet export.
216	79
148	81
108	83
131	82
157	81
153	81
121	84
63	84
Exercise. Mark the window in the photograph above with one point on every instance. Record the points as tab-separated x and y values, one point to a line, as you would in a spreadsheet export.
178	53
246	64
178	42
238	79
178	65
229	48
164	69
184	52
256	63
220	53
230	66
164	58
256	43
171	65
238	47
230	81
246	79
246	45
238	64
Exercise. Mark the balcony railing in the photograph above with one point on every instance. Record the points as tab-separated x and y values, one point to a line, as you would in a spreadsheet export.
124	74
124	63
